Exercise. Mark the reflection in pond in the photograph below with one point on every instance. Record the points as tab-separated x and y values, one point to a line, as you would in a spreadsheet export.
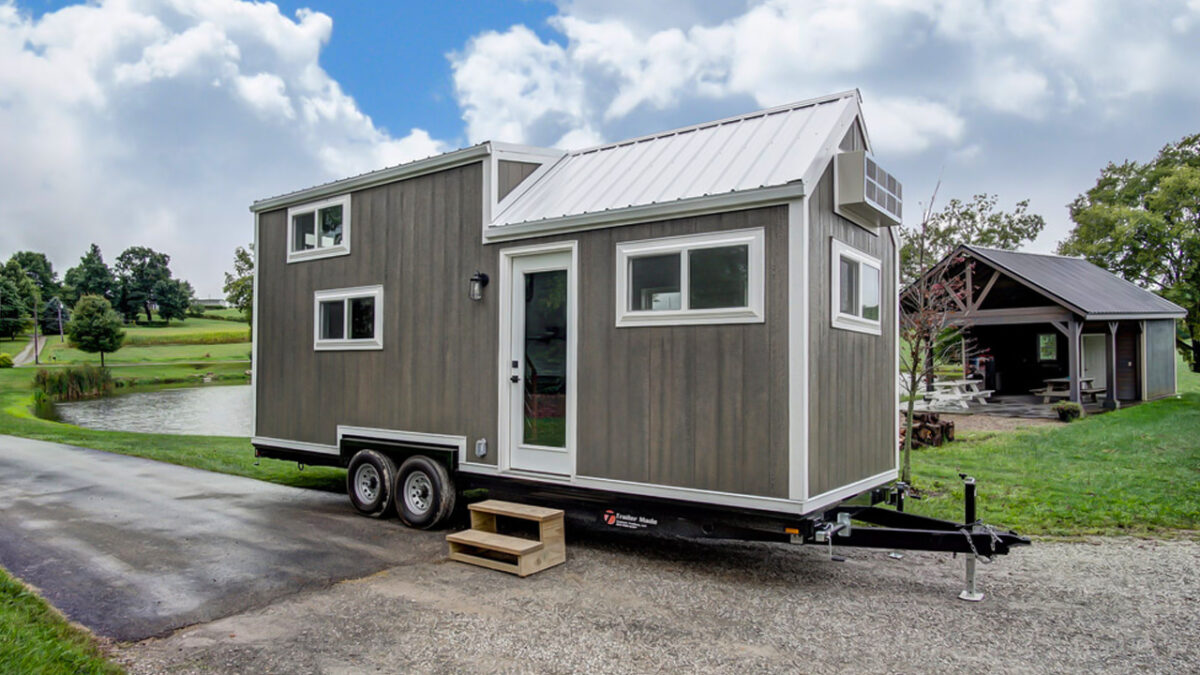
206	411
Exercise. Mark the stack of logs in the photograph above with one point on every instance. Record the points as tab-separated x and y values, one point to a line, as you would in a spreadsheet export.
928	429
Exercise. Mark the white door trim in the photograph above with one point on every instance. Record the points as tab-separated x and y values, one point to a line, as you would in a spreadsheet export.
504	409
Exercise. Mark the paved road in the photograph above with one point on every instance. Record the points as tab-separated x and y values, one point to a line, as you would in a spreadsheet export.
133	548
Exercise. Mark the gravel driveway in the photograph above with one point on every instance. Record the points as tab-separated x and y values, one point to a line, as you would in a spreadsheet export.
626	605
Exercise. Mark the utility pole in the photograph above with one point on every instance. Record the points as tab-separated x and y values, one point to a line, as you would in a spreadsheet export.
37	300
58	305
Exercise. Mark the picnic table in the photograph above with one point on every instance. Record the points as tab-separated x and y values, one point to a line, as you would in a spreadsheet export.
958	392
1060	387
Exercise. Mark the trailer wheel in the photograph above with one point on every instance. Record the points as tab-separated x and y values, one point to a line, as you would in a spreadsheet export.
369	482
424	493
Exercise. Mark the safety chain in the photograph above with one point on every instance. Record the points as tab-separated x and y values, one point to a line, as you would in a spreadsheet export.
991	531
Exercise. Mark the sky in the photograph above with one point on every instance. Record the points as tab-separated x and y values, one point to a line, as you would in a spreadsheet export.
157	123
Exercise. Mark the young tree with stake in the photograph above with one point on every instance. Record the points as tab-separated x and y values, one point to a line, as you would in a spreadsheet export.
95	326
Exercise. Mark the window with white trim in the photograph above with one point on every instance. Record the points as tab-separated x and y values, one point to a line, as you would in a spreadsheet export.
348	318
856	285
319	229
716	277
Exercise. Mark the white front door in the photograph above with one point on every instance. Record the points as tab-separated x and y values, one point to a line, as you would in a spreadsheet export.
1094	360
540	367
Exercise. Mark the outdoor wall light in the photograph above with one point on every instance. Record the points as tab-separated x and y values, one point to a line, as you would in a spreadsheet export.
478	281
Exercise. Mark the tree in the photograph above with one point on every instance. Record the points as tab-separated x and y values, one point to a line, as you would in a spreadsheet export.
90	277
1142	222
95	327
174	298
37	265
12	308
977	222
139	268
927	334
239	286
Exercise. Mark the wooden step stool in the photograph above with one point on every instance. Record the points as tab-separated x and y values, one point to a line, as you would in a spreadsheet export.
482	545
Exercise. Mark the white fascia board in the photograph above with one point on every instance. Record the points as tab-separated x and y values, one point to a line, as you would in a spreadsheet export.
832	143
254	335
1134	317
694	206
846	491
420	167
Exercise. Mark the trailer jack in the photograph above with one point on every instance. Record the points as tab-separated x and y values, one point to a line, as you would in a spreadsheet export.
895	529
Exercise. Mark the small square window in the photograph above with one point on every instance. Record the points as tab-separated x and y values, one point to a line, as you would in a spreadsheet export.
333	320
857	290
349	319
319	230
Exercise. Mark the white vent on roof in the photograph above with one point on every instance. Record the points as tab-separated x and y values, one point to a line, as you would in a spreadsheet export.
865	193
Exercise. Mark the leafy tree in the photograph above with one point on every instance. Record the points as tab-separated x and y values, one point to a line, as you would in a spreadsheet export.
1142	222
239	286
139	268
174	298
39	266
90	277
977	222
12	308
95	327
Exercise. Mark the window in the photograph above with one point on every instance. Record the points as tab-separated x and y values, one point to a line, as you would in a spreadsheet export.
715	277
319	230
856	289
1047	347
349	318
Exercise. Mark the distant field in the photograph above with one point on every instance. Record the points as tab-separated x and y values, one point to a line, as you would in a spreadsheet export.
57	352
192	331
235	314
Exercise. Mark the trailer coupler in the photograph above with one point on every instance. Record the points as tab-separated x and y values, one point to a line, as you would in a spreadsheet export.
894	529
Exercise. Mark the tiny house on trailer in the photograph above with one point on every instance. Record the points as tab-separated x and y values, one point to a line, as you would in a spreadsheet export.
692	331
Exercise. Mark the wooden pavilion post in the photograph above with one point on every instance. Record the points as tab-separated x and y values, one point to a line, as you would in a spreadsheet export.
1074	338
1110	370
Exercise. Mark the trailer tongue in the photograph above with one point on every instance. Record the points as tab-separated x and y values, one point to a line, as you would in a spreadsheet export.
895	529
840	525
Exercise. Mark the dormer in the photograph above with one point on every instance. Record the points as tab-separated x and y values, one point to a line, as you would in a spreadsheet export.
508	167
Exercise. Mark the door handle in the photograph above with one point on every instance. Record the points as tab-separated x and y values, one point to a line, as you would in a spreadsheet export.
515	378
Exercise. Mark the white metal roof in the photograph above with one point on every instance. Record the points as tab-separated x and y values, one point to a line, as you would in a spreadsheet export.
762	149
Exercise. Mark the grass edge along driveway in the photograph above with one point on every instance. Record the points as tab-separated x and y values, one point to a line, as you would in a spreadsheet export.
36	638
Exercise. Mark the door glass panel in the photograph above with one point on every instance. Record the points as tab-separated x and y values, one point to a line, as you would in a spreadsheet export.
545	419
719	277
654	283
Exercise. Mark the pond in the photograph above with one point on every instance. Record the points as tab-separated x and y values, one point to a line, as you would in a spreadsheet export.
206	411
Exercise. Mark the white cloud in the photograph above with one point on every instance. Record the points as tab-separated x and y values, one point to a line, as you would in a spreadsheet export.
131	122
946	59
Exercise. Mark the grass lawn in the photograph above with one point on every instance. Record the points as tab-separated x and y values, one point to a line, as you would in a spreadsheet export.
191	331
59	352
226	314
36	639
14	347
1133	471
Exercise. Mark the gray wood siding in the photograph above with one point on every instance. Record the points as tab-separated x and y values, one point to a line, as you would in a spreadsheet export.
691	406
852	380
437	372
511	174
1160	358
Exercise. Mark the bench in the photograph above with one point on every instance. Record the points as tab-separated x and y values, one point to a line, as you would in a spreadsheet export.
483	545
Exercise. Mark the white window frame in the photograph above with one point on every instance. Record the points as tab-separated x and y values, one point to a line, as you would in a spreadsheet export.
320	251
345	295
753	312
839	250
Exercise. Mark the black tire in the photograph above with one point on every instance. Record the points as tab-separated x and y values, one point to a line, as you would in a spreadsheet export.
424	492
369	481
